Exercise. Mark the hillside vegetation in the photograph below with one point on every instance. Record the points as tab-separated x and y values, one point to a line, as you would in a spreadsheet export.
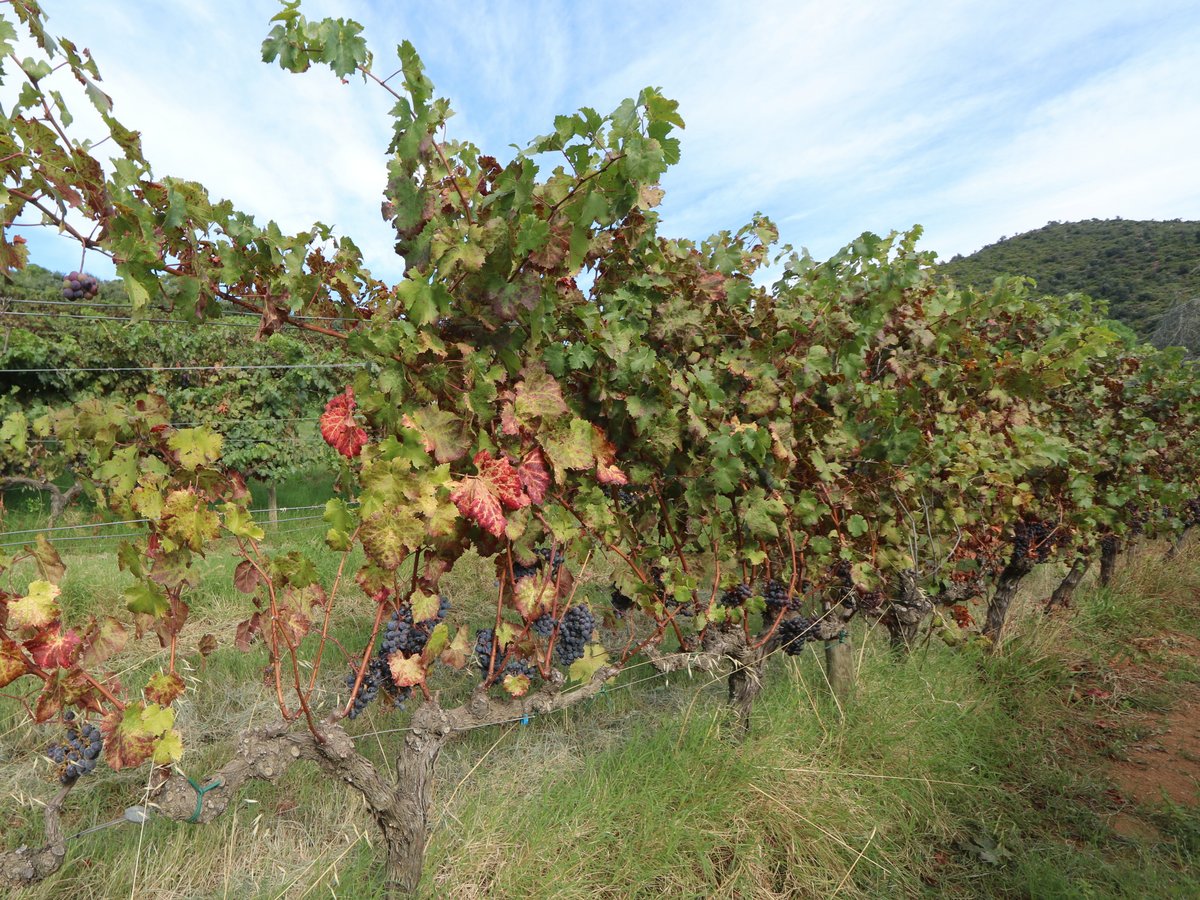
1141	269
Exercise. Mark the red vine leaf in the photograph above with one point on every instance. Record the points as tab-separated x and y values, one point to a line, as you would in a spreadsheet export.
247	631
52	648
508	419
610	475
246	577
207	645
483	497
293	621
163	688
534	475
338	427
607	471
12	662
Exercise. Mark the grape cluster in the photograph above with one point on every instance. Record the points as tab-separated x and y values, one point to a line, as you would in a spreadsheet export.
794	632
736	595
1031	540
620	603
78	286
544	556
544	624
376	678
485	639
574	632
626	495
1136	516
76	755
1191	512
553	558
400	635
525	571
776	595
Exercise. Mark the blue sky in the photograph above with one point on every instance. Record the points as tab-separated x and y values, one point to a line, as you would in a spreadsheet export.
976	119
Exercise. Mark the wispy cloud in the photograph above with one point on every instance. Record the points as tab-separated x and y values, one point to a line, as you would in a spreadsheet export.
975	119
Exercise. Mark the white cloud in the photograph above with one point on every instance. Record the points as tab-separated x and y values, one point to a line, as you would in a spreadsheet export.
976	119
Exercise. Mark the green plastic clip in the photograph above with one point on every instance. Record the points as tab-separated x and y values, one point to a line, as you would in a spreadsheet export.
200	792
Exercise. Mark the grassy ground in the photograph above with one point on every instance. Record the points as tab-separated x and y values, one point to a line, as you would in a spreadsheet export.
950	774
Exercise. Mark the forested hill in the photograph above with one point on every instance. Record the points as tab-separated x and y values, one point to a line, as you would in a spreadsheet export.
1141	268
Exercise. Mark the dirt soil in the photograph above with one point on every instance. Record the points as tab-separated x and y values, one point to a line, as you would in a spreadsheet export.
1165	764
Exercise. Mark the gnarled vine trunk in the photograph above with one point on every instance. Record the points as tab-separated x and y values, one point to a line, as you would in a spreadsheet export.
400	808
1109	547
722	647
839	654
1178	542
906	612
1066	589
1006	589
59	499
745	684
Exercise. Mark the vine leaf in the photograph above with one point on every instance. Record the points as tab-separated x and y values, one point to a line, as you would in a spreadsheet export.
196	447
483	497
12	662
49	563
53	648
534	474
163	688
188	521
131	735
240	523
594	657
531	596
516	685
439	639
338	427
168	748
37	609
406	670
441	433
538	396
458	651
424	606
389	536
147	598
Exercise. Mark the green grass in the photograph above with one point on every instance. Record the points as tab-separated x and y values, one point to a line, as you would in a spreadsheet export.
953	773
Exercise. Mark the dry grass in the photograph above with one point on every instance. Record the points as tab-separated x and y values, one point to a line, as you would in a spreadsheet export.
641	793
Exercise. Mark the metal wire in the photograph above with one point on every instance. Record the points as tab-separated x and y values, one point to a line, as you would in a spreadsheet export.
127	319
137	521
168	370
230	311
108	537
